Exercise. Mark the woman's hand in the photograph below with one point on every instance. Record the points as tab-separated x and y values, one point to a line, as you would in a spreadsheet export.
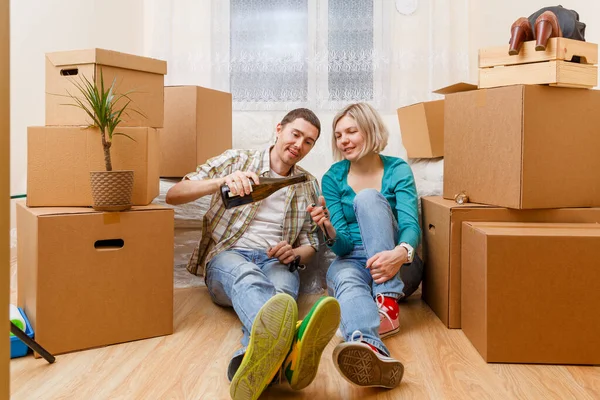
320	216
386	264
239	182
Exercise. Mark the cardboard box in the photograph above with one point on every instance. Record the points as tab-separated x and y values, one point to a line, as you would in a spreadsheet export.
531	292
59	161
523	147
90	279
198	126
422	124
144	76
442	226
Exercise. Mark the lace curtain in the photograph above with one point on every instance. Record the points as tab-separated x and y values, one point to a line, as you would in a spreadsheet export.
278	55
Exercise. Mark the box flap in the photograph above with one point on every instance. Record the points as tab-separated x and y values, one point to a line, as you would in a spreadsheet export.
46	211
109	58
451	204
455	88
196	87
536	228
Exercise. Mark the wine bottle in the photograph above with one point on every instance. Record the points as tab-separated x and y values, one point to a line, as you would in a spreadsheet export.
264	189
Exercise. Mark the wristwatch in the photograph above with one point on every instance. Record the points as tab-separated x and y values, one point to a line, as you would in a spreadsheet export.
410	250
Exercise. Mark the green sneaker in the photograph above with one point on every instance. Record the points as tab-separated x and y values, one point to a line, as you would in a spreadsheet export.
312	335
270	340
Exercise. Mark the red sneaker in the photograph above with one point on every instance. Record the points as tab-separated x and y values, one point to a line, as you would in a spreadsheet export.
389	315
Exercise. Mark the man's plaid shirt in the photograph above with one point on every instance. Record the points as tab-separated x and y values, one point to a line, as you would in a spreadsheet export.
221	228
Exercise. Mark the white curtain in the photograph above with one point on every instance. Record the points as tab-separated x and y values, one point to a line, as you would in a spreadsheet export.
277	60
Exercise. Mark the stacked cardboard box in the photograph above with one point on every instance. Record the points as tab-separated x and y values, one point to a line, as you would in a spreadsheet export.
198	126
88	278
61	154
516	266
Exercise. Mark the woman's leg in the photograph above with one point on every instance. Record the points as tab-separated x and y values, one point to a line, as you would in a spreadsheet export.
379	232
350	283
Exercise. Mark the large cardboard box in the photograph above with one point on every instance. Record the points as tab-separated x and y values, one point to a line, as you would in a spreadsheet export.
4	186
142	75
59	161
523	147
531	292
90	279
198	126
442	226
422	124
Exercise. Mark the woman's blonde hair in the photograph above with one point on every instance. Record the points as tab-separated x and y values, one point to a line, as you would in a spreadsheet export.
369	123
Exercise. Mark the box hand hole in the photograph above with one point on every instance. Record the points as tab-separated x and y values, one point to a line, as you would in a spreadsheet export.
69	72
109	244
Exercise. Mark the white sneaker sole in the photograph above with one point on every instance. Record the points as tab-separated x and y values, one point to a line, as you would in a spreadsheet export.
358	364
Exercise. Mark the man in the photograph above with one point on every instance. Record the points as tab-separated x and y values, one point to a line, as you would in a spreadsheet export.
245	252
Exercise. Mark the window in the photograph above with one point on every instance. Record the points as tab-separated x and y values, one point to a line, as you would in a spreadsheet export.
305	53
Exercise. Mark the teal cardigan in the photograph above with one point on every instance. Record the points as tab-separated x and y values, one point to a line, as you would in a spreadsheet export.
397	186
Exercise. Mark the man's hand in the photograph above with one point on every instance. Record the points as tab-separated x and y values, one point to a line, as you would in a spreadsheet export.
283	251
386	264
239	182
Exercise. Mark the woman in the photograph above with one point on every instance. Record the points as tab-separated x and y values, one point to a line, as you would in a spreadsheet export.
370	211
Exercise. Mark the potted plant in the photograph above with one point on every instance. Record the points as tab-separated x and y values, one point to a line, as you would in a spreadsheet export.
111	190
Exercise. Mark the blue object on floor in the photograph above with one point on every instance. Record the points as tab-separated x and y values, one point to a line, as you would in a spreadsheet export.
17	347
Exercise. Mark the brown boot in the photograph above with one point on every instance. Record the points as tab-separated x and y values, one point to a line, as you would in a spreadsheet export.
520	32
546	27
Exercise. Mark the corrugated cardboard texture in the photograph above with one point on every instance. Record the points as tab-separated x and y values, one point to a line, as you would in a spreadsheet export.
442	225
79	294
422	129
4	188
474	297
523	147
541	291
144	76
483	145
561	148
198	126
59	160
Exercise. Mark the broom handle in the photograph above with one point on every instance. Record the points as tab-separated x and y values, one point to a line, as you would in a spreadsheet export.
32	344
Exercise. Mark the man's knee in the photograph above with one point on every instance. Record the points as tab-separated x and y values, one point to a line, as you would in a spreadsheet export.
283	280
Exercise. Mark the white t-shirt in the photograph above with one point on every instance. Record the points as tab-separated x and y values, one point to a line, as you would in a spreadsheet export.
266	229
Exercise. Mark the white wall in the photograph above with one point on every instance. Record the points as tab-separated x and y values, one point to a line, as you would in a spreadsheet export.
40	26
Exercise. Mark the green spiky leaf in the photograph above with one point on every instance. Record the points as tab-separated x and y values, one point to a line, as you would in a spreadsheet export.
99	103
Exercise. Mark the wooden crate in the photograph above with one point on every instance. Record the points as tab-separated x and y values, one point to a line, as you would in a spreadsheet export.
557	66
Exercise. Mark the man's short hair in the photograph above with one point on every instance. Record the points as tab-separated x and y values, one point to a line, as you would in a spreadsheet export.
305	114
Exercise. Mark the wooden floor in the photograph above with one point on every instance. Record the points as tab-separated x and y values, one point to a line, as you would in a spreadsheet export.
190	364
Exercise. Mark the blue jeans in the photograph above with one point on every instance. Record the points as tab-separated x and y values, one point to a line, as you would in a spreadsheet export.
350	281
246	280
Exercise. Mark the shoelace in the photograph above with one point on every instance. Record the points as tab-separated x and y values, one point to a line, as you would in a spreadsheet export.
353	336
360	340
379	299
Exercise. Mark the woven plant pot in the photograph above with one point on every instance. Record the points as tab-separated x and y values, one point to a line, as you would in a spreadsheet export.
111	190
